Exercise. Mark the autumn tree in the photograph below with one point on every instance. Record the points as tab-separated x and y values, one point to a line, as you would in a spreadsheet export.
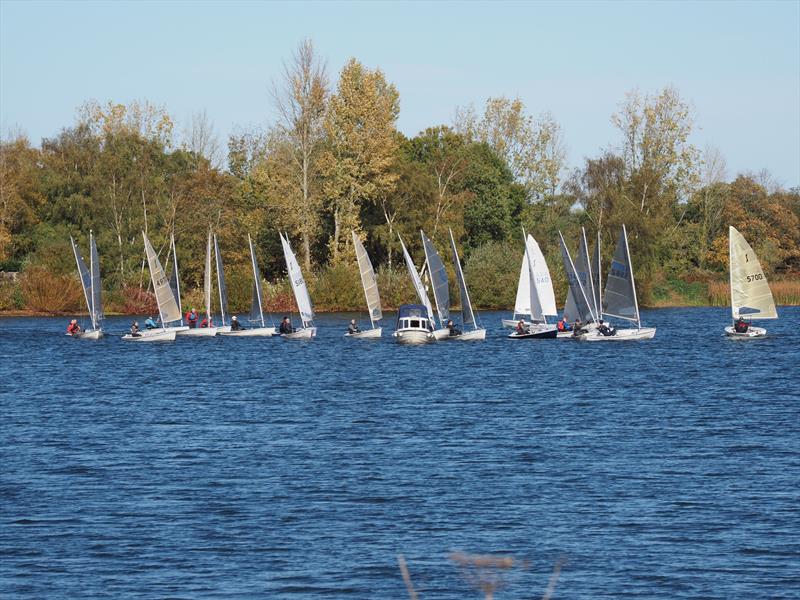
361	147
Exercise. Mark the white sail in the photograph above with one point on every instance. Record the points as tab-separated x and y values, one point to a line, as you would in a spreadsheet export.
207	283
256	309
580	302
368	281
298	283
420	289
467	314
522	306
438	275
751	296
222	288
597	278
174	281
536	308
167	307
619	299
84	274
541	279
97	304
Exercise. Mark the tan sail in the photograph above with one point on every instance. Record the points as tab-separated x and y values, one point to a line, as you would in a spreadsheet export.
167	307
751	297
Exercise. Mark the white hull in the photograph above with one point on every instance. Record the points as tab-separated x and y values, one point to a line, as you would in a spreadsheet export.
540	331
469	336
752	332
622	335
441	334
413	336
301	334
511	323
199	332
89	334
254	332
369	334
154	335
177	329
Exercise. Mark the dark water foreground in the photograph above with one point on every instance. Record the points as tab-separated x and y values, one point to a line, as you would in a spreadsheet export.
245	468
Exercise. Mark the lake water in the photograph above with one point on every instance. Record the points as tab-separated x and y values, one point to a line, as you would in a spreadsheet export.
247	468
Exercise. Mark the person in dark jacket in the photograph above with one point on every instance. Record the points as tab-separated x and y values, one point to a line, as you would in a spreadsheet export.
741	326
353	327
454	331
135	329
235	325
522	329
286	326
578	329
604	329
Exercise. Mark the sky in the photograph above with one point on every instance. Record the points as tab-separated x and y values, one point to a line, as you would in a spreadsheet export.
736	63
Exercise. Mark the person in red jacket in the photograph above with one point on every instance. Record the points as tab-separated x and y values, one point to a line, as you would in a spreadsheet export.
73	328
191	318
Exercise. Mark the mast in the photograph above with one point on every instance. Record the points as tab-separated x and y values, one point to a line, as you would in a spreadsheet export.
466	304
207	280
91	273
220	281
256	277
633	284
177	279
730	271
598	271
83	274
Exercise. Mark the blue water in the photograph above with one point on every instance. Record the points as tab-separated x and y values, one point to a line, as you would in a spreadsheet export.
247	468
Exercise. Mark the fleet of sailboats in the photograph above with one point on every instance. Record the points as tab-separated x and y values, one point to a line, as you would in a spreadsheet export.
90	282
751	297
370	284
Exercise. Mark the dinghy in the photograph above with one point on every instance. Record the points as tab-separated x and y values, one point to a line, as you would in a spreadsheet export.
167	306
522	305
222	289
751	296
175	286
542	299
90	282
409	330
619	299
256	307
307	331
413	325
585	273
440	285
370	285
467	314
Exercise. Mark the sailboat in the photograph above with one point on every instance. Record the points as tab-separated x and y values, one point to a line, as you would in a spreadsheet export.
175	286
222	289
619	299
522	305
307	331
167	306
467	314
584	271
90	281
256	308
541	299
414	321
440	285
370	285
751	296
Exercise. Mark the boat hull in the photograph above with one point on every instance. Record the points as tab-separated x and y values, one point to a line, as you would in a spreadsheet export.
154	335
441	334
752	332
254	332
198	332
471	336
548	332
301	334
622	335
511	323
369	334
413	336
89	334
177	329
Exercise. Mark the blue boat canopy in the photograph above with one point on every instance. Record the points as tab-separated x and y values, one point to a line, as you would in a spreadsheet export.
412	310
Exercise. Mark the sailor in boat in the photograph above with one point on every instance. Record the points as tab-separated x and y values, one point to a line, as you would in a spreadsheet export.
454	331
206	322
604	329
578	328
741	326
73	328
191	319
563	325
150	323
235	325
522	329
135	329
353	327
286	326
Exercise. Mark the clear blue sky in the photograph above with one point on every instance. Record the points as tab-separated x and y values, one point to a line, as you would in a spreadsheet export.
737	63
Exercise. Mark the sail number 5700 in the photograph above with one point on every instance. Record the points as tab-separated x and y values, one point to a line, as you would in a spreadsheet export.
756	277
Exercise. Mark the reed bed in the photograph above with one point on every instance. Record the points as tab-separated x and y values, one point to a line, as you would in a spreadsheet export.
785	292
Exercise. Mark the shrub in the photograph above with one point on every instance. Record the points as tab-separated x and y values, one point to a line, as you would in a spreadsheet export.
337	288
44	292
492	273
138	301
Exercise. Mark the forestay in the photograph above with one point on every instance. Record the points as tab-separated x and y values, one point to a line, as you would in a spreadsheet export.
619	299
467	314
167	307
298	283
542	282
86	277
751	296
581	307
368	280
596	278
207	279
256	309
583	270
438	274
223	290
522	306
420	289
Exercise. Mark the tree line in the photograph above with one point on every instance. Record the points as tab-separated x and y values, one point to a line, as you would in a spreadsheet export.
332	161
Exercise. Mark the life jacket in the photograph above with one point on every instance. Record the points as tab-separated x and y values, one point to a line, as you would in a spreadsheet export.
560	326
